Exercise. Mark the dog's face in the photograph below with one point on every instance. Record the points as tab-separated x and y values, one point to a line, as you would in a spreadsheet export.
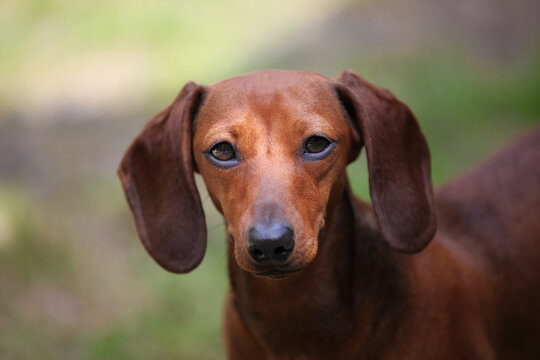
272	147
272	150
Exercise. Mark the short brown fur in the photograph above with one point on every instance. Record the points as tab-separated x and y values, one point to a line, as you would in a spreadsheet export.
362	282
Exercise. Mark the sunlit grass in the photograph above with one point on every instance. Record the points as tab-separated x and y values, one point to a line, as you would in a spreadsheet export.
175	41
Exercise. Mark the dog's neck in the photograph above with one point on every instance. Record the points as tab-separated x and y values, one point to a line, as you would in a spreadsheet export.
333	292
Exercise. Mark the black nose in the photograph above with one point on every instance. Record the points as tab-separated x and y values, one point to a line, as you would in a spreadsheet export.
270	243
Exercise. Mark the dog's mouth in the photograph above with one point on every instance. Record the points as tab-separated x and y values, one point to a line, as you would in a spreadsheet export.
276	273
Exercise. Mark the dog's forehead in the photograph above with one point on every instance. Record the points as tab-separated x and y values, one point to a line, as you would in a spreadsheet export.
270	93
269	81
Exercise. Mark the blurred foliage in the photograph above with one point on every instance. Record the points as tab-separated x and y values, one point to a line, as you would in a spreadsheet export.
79	79
466	106
164	43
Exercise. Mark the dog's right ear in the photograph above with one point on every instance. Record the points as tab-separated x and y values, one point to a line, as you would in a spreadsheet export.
157	175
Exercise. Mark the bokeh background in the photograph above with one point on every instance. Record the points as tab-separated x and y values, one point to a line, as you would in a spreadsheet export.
78	79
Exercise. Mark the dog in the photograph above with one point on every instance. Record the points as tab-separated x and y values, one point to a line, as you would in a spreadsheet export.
316	273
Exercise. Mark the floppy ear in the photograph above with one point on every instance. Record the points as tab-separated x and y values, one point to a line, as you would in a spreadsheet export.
157	175
398	162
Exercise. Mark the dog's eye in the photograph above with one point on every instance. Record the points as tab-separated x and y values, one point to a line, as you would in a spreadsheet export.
317	148
223	151
316	144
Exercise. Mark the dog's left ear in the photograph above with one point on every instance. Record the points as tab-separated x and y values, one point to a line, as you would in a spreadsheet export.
157	176
398	162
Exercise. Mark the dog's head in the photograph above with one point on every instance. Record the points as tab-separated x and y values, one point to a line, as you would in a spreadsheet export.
272	148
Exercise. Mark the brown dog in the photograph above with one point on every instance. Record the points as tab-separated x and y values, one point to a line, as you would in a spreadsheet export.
316	274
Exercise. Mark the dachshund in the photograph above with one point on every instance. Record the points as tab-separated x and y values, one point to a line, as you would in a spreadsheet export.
314	272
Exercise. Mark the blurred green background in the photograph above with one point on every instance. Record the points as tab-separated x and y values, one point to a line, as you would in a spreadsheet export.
78	80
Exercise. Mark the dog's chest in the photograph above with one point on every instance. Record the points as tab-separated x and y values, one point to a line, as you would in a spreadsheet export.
309	327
